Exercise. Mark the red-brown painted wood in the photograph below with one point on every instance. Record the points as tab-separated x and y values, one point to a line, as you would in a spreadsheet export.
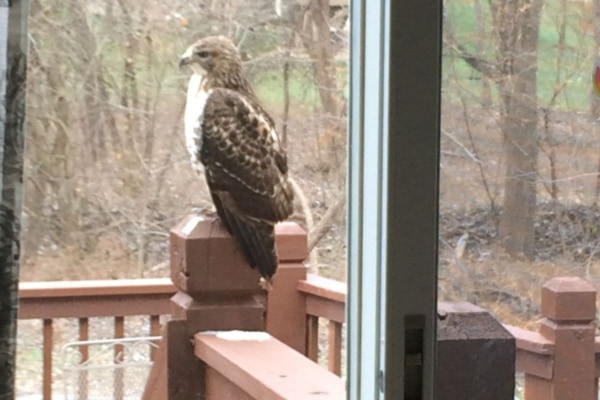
334	357
268	369
286	307
48	347
569	310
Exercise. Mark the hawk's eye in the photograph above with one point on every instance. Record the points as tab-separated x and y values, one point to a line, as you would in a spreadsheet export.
202	54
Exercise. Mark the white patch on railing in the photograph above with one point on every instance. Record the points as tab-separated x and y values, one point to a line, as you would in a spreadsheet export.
191	224
256	336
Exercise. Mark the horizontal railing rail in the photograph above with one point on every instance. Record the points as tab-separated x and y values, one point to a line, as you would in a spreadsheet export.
535	353
100	298
248	365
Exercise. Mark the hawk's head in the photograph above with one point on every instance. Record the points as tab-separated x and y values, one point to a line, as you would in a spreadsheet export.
213	55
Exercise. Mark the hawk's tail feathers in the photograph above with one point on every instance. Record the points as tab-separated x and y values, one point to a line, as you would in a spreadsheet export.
257	240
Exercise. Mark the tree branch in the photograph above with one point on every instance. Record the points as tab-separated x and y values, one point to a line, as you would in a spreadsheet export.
481	65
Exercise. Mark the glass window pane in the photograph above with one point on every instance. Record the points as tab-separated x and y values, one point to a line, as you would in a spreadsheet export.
519	165
107	169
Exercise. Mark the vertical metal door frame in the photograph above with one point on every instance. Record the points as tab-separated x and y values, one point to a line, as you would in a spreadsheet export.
393	198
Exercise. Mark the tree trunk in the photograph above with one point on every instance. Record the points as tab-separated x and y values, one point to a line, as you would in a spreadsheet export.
316	37
594	95
517	24
92	112
13	31
50	148
130	97
486	90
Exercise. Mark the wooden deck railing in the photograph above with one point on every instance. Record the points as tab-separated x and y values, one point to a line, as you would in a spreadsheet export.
326	299
82	300
567	306
537	356
562	359
215	293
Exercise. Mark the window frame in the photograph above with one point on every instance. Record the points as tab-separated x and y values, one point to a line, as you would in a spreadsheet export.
393	232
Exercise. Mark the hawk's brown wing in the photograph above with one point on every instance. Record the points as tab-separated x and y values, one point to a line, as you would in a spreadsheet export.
246	171
243	157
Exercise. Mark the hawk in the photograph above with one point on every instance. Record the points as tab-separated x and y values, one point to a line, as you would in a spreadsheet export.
231	137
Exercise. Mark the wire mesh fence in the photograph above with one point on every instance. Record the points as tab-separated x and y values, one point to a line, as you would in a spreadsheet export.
107	369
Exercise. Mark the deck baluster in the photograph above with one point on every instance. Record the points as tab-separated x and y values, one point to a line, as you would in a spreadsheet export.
119	357
48	345
312	336
154	331
85	355
335	347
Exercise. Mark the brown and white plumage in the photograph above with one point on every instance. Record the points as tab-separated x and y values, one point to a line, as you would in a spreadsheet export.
231	137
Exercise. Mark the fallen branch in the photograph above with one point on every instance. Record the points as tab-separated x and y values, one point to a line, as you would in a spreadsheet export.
308	219
326	222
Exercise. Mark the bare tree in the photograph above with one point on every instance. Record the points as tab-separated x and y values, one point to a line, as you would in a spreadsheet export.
594	96
516	25
314	30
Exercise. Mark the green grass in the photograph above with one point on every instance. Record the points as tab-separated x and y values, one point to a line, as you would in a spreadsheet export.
304	92
577	63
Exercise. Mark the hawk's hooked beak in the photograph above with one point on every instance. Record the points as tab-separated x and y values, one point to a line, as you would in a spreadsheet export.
186	58
184	61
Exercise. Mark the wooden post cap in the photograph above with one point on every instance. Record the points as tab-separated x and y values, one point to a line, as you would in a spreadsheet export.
291	241
568	299
206	259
